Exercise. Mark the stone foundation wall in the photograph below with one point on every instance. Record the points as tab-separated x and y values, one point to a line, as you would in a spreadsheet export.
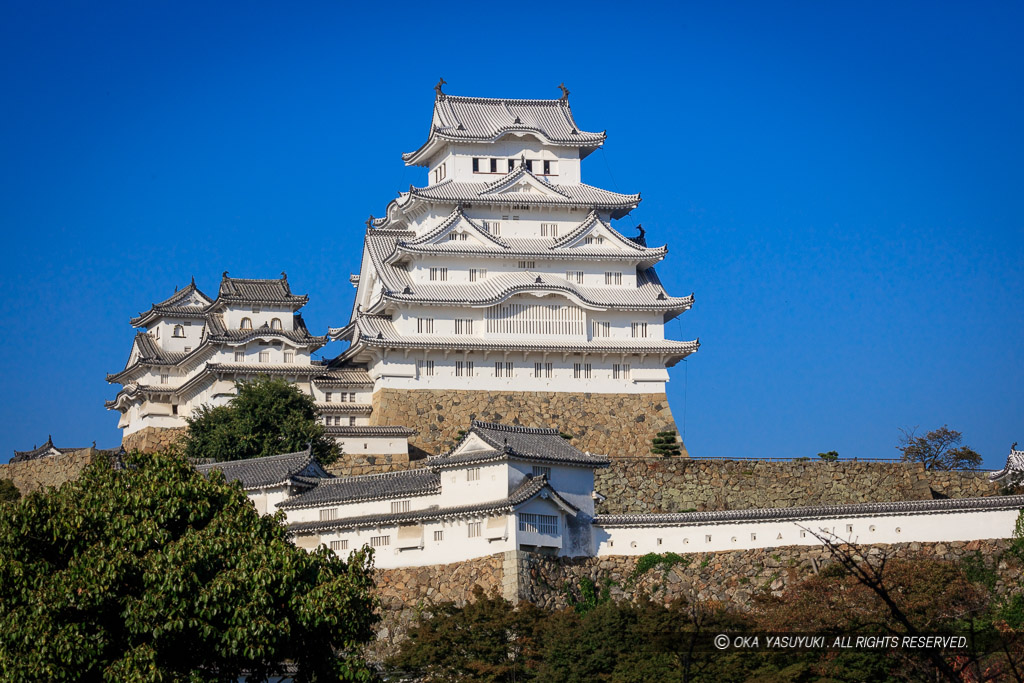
350	465
152	439
411	586
618	425
730	577
676	485
36	475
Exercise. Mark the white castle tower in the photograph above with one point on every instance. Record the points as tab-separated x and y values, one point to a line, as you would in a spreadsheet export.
501	291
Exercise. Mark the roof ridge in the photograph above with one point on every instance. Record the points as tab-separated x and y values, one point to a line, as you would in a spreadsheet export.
262	458
518	429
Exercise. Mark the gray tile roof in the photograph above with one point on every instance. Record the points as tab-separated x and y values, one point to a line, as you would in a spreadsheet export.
578	195
42	451
259	291
348	408
217	332
369	431
530	487
379	331
814	512
339	373
482	119
176	306
405	483
269	471
543	248
526	443
1014	468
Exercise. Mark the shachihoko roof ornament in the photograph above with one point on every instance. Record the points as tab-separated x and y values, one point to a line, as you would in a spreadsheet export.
1013	471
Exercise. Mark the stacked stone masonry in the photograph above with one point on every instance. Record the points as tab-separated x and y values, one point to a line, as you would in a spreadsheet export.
152	439
50	472
644	485
617	425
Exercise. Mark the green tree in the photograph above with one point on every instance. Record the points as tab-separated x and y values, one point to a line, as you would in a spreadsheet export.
153	572
8	491
939	449
829	456
267	417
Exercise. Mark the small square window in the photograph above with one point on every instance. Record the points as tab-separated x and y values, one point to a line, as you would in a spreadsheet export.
439	535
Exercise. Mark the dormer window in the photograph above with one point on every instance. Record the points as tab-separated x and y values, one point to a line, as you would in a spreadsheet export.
275	324
246	324
179	331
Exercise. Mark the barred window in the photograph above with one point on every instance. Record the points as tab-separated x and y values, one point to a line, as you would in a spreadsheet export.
463	326
639	329
425	325
339	545
527	264
438	274
474	529
538	524
439	535
542	370
329	396
473	474
264	356
549	229
463	368
275	324
246	324
601	328
289	356
493	227
327	514
613	278
504	369
400	506
239	356
531	318
351	421
425	367
574	276
379	541
620	371
539	470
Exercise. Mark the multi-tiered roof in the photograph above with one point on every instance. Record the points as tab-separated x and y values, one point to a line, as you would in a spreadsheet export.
403	236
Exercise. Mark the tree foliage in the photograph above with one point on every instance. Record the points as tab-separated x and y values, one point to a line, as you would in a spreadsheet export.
8	491
154	572
939	449
269	416
829	456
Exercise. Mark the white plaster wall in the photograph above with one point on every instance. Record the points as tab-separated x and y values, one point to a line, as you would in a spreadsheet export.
456	489
456	545
920	527
233	316
372	445
458	159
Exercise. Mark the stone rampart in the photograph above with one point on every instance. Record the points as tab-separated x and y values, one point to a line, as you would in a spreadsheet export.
49	472
618	425
677	484
350	465
152	439
412	586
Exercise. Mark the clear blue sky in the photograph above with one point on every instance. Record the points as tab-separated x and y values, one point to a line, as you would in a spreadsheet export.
840	185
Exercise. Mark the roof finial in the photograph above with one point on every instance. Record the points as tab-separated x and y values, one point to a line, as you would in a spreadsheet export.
1014	446
193	283
437	88
565	92
640	227
224	275
284	276
369	222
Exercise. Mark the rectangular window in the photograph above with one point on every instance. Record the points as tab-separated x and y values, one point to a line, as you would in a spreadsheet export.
187	349
239	356
542	370
577	370
289	356
538	470
474	529
527	264
549	229
538	524
440	274
463	326
400	506
425	367
620	370
494	165
328	397
469	368
476	165
601	328
164	379
515	218
529	165
503	369
613	278
639	329
439	535
440	172
574	276
460	368
327	514
452	236
351	421
352	397
264	356
493	227
339	545
425	325
473	474
511	165
344	397
587	368
379	541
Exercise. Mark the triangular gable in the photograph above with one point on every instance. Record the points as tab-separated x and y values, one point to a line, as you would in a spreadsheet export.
603	235
521	181
550	495
457	222
472	443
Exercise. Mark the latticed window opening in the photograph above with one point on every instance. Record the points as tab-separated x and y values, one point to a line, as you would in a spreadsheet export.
516	318
538	524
